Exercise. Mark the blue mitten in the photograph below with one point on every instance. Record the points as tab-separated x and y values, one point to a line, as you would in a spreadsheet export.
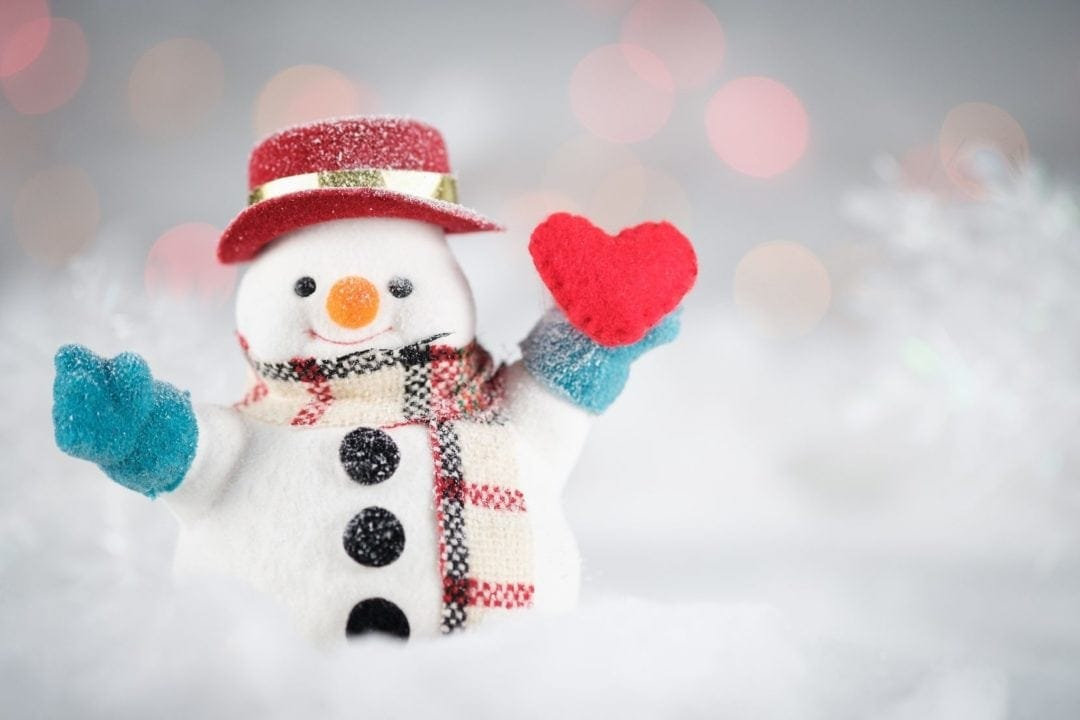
583	371
140	431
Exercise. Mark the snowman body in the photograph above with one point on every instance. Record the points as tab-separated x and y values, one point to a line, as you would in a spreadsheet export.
381	474
335	500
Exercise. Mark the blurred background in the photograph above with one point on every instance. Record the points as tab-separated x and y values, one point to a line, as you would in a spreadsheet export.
851	489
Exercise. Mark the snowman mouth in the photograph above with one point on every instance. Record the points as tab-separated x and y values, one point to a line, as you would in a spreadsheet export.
312	334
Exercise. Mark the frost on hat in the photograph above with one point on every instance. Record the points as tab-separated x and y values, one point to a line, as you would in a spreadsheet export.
352	167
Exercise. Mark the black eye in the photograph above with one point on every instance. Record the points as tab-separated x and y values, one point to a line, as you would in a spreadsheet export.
400	287
304	286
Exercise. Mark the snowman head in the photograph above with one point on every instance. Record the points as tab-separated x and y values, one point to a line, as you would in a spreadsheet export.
334	288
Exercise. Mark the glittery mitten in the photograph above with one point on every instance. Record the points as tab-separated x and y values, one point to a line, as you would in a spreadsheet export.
141	431
582	370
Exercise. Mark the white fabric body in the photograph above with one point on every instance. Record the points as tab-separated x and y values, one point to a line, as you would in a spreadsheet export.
269	503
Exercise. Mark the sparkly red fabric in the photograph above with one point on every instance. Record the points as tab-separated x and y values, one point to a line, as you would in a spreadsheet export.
364	142
613	288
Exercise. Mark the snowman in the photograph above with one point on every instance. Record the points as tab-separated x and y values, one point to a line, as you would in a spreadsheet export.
381	474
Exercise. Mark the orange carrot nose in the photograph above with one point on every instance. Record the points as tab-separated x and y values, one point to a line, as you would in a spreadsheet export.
352	302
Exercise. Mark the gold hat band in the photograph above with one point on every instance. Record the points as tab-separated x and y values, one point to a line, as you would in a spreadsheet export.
418	183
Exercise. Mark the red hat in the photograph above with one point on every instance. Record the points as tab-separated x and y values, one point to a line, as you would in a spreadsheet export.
353	167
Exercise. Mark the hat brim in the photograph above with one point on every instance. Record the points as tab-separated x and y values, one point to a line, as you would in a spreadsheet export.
258	225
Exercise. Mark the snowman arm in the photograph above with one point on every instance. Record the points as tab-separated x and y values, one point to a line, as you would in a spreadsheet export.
222	440
142	432
579	369
562	382
552	428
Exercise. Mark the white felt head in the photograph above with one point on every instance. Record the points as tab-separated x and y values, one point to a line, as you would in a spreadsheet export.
355	268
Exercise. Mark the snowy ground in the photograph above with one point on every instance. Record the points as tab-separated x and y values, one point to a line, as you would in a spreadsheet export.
878	520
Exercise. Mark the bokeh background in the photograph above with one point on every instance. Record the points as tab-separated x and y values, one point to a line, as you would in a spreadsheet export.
850	490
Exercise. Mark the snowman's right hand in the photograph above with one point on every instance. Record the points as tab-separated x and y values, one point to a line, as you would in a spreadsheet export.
141	431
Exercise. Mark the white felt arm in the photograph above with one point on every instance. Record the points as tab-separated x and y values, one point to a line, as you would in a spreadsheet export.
552	429
222	437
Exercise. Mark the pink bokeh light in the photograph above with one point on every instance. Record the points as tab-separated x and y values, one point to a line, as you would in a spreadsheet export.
525	211
757	126
980	146
622	93
782	288
578	166
174	85
56	214
665	199
610	185
629	195
21	145
183	264
303	93
684	34
604	180
921	170
24	30
55	75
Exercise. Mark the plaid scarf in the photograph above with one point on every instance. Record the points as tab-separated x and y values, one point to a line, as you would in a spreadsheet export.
485	542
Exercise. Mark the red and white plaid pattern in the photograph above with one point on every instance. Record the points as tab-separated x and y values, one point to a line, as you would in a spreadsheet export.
495	497
499	595
457	393
318	387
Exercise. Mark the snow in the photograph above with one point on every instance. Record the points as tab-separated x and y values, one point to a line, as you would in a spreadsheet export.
878	520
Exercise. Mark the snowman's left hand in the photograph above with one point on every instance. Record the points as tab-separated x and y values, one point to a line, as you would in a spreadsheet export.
582	370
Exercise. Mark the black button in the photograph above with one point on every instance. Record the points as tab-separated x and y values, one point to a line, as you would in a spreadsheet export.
369	455
374	537
377	615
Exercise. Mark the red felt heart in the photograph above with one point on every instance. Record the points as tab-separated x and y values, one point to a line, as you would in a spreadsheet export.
613	289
